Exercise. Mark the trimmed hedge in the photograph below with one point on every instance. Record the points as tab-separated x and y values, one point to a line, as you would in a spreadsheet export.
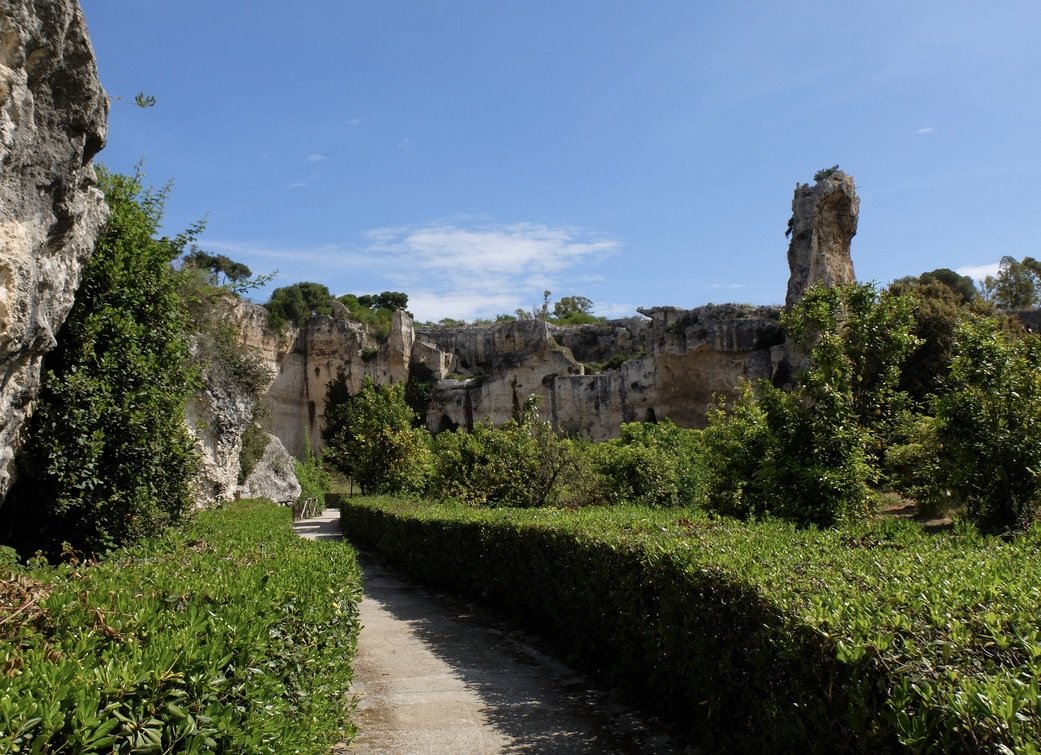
233	635
758	635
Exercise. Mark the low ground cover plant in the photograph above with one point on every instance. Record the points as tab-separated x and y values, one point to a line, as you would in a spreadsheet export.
871	637
233	635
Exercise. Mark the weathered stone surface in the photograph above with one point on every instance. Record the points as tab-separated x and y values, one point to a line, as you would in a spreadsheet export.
680	359
216	417
52	122
671	363
273	477
823	223
221	411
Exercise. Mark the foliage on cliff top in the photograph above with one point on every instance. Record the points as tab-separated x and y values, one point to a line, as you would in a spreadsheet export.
233	636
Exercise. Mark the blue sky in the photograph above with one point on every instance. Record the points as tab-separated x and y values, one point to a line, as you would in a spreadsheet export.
473	154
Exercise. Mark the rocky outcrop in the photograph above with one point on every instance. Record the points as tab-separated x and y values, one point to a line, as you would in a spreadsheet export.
671	365
217	416
274	475
52	122
823	223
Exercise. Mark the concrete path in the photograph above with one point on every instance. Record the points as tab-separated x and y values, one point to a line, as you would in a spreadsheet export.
433	677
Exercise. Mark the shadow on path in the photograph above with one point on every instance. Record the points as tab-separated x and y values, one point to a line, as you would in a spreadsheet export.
426	661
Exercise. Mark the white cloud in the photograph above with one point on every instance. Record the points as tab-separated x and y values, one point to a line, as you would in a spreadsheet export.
925	130
354	121
316	158
979	272
462	272
296	185
447	270
405	145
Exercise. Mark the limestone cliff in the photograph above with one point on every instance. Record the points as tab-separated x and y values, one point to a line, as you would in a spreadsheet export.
235	384
52	122
273	477
668	366
669	363
822	226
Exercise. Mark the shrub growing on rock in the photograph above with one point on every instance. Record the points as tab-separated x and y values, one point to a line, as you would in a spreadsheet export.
108	459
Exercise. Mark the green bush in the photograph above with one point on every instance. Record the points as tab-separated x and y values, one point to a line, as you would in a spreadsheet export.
650	463
108	458
520	463
808	454
758	636
913	466
235	636
989	425
294	305
370	438
314	480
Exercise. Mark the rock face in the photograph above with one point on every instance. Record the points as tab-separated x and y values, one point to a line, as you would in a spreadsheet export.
53	116
219	413
273	477
823	223
669	363
668	366
217	416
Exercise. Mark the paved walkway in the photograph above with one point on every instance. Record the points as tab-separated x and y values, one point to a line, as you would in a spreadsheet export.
430	677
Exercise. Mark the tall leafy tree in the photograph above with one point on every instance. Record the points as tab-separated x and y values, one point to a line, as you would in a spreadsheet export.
989	424
370	437
1017	284
108	457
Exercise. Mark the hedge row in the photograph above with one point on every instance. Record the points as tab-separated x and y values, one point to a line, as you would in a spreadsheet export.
233	635
758	635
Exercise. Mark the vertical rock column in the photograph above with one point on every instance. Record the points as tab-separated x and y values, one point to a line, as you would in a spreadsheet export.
53	115
823	223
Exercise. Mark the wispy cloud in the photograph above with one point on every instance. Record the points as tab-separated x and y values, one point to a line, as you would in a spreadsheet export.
296	185
925	130
316	158
354	121
979	272
405	145
467	272
448	270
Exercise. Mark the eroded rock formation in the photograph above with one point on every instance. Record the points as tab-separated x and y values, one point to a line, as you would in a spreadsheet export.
53	116
273	477
823	223
670	363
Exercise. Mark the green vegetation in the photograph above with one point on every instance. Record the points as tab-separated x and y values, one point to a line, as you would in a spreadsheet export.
370	438
823	173
805	454
108	459
375	311
315	481
520	463
234	635
758	636
1017	284
293	305
989	425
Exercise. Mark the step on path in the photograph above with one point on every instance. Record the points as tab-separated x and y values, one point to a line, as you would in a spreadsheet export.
431	677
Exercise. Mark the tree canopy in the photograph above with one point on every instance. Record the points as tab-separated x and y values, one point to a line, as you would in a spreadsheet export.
293	305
